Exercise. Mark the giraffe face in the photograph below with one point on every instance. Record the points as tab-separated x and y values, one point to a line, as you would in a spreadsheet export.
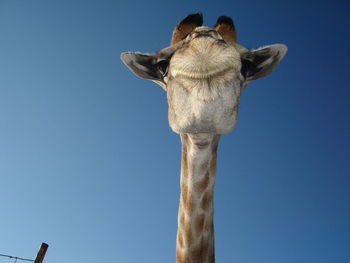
203	73
203	84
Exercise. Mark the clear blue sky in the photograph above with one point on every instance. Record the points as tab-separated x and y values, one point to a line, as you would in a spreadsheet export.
89	164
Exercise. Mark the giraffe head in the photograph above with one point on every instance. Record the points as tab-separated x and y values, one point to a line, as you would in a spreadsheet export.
203	72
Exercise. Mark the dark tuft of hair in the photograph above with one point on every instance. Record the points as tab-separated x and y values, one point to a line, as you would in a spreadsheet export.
225	20
196	19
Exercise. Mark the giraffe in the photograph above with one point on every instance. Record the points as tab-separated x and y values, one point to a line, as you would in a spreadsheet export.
203	72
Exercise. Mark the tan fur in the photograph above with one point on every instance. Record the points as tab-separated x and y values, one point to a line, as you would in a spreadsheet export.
227	32
180	32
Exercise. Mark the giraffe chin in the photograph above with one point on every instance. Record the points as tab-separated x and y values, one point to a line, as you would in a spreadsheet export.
182	120
202	109
197	128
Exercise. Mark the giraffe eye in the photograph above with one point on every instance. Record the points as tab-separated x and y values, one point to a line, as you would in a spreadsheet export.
163	67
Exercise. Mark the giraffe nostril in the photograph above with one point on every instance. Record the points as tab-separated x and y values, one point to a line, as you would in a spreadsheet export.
203	34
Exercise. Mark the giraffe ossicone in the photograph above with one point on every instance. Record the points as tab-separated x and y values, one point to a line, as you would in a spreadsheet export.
203	72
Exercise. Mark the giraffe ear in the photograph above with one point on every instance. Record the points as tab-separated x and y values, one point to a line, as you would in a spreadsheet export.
145	66
262	61
186	26
226	29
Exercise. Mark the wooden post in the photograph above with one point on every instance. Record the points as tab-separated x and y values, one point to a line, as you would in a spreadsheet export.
41	253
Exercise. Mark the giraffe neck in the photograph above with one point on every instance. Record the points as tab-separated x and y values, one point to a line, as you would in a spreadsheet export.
195	235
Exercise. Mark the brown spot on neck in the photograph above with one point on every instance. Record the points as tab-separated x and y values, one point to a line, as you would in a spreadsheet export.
199	223
203	184
207	200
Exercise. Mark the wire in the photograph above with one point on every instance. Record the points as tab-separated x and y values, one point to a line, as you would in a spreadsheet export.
24	259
